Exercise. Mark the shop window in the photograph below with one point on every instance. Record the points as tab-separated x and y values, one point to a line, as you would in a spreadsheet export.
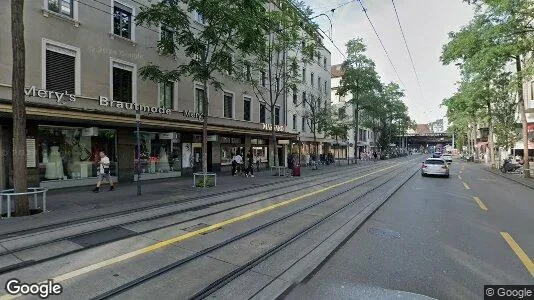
122	21
229	147
160	153
166	94
277	115
247	103
69	153
228	105
60	69
263	112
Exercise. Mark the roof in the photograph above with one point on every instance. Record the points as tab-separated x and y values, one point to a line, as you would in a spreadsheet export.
336	71
423	129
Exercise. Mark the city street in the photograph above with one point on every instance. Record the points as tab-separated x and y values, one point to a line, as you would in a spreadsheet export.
309	238
434	238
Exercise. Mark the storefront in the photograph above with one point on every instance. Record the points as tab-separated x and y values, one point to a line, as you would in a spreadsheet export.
160	156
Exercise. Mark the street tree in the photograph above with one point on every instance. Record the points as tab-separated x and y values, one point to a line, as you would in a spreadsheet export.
360	80
218	29
291	41
314	115
20	172
334	123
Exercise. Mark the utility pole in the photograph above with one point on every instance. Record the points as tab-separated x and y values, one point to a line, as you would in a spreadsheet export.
138	125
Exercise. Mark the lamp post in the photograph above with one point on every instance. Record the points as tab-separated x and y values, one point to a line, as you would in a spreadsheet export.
138	125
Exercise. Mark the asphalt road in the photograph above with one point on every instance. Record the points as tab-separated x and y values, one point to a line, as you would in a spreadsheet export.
433	238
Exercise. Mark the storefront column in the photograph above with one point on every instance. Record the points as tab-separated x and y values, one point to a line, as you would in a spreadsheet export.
248	144
216	156
126	154
32	130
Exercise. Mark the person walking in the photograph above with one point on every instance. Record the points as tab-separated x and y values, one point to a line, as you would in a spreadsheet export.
250	161
103	172
375	155
234	165
239	163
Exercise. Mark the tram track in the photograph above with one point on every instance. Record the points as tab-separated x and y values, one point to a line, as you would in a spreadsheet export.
29	263
213	286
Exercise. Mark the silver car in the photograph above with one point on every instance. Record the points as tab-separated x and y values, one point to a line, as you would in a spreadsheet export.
435	166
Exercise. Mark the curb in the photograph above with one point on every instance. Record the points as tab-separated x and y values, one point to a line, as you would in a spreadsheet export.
510	178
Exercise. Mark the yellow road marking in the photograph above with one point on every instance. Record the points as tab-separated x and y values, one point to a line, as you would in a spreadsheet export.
188	235
480	203
466	186
519	252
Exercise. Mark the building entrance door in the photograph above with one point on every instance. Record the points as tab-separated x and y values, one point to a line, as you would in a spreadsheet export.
197	157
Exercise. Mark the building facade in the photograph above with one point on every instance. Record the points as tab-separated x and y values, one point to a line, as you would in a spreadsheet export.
83	90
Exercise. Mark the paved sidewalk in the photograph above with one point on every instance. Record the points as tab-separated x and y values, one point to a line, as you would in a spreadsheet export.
528	182
70	205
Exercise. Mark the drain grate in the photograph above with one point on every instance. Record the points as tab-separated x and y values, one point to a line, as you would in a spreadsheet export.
101	237
383	233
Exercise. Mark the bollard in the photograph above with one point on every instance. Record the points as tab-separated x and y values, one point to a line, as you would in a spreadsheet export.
9	206
44	200
35	201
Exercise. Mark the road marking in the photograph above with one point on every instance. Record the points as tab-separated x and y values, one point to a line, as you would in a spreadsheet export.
191	234
459	177
480	203
466	186
486	179
519	252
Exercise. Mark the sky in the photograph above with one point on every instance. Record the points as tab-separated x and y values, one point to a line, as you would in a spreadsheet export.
426	24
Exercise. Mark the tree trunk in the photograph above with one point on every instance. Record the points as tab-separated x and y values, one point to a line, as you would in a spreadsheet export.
205	130
357	133
523	115
491	143
273	147
20	172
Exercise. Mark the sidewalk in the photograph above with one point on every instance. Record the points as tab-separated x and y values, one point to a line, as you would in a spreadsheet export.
528	182
72	205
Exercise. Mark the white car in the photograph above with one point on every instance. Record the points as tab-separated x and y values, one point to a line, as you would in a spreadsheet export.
447	157
435	166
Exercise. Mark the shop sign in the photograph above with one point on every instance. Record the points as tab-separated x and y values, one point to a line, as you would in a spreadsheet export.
283	142
56	96
189	114
280	128
30	152
212	138
91	131
104	101
168	136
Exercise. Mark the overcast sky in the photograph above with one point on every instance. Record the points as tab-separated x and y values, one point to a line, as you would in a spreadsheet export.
426	24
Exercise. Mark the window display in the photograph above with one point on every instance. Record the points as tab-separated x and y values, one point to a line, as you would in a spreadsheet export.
160	152
229	147
71	152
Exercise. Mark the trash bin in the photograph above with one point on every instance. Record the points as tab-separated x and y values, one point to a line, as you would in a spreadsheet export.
296	171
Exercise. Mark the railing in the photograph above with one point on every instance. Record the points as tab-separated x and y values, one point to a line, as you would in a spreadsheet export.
33	203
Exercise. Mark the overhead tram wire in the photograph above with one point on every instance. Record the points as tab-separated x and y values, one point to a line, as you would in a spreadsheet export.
381	43
406	43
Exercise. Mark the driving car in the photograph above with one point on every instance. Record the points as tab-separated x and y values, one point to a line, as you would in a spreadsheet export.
435	166
447	157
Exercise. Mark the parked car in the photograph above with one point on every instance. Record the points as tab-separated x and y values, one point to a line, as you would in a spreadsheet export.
447	157
435	166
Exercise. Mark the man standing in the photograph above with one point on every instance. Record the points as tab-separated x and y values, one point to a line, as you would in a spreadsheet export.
239	163
250	161
103	172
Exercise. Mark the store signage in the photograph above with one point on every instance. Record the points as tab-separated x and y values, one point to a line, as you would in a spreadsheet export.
212	138
56	96
276	127
168	136
189	114
283	142
90	131
104	101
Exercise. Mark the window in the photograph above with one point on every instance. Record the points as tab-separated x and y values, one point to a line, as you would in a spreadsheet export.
324	62
325	87
304	99
303	43
263	78
295	100
123	82
341	112
303	124
295	122
227	63
199	97
64	7
263	112
61	67
167	39
166	94
246	108
312	79
304	75
122	21
277	115
319	83
532	90
247	71
199	17
228	105
318	58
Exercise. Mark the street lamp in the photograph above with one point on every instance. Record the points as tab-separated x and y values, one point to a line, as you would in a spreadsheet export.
138	125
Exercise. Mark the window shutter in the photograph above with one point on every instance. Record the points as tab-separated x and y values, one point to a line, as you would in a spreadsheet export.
60	72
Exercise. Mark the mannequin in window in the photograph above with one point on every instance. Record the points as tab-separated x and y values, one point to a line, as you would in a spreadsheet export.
54	168
163	163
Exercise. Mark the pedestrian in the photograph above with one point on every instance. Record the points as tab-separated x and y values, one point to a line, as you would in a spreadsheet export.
375	155
103	172
239	163
250	164
258	161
